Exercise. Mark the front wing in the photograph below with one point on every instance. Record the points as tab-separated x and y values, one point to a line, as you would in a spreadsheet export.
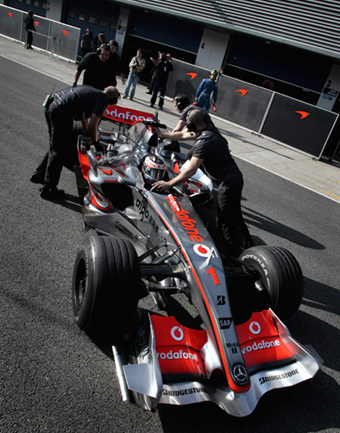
175	370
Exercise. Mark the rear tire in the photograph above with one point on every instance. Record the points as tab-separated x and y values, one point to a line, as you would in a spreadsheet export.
105	286
281	276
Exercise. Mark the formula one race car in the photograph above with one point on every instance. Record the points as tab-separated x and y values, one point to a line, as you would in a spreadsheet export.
147	242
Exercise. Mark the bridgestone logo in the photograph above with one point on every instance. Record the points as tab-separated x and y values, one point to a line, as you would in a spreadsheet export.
263	380
184	392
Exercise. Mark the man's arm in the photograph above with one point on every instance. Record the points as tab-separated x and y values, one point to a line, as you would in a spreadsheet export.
94	120
179	135
180	125
76	77
193	166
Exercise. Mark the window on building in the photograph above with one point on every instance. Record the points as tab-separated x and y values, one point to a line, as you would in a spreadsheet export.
81	17
71	14
44	6
113	26
92	20
28	2
103	23
36	4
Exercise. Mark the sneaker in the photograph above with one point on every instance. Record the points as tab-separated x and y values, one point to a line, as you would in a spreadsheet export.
124	96
151	105
37	178
131	99
148	93
51	194
160	108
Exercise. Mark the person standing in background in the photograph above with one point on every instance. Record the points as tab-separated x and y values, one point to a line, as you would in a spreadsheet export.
86	43
207	87
115	60
136	65
30	28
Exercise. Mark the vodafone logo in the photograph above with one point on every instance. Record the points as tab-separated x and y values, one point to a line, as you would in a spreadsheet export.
204	251
177	333
255	328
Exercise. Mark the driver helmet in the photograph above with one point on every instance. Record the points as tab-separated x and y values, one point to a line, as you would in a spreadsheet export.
153	169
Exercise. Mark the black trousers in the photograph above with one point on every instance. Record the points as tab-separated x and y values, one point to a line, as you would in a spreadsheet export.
60	130
29	39
230	220
158	86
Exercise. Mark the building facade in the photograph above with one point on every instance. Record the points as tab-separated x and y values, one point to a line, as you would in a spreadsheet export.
289	46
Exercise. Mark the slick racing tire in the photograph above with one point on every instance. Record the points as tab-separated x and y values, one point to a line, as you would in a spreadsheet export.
281	276
105	286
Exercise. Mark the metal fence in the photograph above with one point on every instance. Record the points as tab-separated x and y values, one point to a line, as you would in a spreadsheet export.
52	36
296	124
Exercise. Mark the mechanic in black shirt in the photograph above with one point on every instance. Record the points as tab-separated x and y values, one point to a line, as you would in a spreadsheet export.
162	68
183	106
115	60
211	153
99	72
61	110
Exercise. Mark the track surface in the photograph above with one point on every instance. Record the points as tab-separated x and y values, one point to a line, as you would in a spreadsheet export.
54	378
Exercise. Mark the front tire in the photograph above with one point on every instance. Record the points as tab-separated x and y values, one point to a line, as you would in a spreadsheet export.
280	274
105	286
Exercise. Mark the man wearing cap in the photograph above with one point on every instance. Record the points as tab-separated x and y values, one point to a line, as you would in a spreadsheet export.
207	87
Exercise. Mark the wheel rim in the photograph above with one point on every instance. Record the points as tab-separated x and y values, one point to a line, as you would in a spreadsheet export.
80	284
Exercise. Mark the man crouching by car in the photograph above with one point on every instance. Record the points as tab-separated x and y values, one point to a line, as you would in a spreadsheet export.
61	110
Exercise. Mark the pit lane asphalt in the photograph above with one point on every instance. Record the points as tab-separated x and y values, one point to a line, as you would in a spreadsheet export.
52	376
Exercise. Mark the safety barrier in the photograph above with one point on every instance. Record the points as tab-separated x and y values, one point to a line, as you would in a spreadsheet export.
57	38
288	121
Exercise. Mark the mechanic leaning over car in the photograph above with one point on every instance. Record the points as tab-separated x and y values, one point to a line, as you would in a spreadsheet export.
61	110
211	153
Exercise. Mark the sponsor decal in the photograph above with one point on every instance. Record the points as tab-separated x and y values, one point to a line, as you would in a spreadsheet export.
177	333
221	300
184	391
192	75
225	322
10	14
126	115
260	346
173	203
232	345
240	373
263	380
242	91
111	181
204	251
255	328
187	223
146	214
177	355
65	32
303	114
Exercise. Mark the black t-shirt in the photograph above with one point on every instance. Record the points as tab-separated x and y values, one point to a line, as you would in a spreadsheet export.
97	73
80	102
218	164
114	59
185	113
163	70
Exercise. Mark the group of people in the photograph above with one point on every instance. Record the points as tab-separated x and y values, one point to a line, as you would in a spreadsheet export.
87	104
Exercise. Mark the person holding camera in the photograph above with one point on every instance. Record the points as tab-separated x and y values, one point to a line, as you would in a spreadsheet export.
136	67
163	67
